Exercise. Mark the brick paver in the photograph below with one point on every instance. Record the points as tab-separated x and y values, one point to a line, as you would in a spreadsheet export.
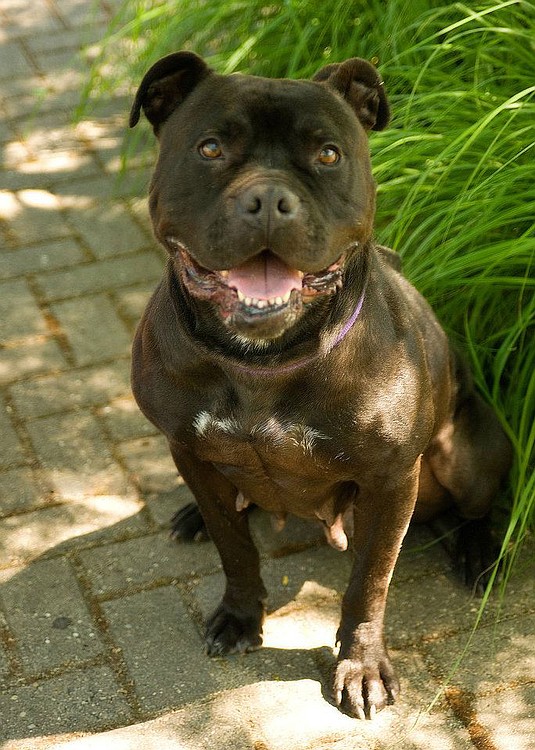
89	699
46	611
93	329
70	389
43	257
101	614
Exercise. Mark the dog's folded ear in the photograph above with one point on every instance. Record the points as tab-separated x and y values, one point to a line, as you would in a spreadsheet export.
166	85
361	86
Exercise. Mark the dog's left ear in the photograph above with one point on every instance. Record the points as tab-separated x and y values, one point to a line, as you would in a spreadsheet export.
166	85
362	87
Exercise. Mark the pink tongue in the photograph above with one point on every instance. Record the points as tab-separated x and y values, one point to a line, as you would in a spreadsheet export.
264	277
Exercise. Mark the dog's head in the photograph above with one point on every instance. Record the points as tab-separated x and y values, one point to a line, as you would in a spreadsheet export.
263	187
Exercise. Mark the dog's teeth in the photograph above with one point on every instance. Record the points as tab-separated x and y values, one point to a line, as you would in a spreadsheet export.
261	304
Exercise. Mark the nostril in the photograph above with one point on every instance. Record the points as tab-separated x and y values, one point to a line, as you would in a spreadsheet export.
287	204
253	204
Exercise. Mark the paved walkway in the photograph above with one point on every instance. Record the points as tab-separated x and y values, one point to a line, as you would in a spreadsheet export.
101	614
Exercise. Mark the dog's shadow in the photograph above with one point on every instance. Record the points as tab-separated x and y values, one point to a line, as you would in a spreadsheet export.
129	604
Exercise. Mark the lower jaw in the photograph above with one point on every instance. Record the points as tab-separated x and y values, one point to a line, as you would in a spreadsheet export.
263	326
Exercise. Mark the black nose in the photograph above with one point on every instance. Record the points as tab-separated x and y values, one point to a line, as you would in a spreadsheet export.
269	205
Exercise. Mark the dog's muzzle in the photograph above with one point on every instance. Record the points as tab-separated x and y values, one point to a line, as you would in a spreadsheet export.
258	289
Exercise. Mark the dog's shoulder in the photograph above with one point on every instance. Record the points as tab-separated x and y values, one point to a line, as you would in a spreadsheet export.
390	257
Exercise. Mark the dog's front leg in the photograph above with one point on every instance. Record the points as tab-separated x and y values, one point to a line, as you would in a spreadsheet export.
236	624
364	679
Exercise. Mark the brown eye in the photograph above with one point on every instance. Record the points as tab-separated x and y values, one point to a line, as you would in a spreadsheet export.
329	155
210	149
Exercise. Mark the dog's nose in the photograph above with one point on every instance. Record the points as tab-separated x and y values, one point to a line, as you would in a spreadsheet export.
268	204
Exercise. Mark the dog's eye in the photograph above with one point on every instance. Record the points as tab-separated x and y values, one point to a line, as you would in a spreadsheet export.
210	149
329	155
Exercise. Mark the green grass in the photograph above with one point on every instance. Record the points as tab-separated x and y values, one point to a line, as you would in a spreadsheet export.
455	169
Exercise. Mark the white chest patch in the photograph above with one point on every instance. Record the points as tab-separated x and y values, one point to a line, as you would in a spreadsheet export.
271	431
205	422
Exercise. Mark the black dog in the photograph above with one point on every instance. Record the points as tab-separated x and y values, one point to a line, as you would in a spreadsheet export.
283	355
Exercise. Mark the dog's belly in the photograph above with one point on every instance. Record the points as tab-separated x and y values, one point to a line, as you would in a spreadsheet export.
280	466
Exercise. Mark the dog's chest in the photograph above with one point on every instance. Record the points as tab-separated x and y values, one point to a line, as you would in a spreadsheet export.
273	439
276	463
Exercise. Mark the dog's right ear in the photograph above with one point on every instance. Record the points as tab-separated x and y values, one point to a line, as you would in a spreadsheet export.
166	85
361	86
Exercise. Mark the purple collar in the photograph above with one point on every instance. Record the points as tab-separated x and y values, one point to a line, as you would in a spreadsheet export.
267	371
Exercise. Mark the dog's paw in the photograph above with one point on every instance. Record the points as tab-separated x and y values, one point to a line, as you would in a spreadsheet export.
361	688
229	632
188	525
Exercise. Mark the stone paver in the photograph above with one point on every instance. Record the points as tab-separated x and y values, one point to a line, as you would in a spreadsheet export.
19	311
501	655
165	676
123	421
72	389
44	257
97	222
89	700
19	491
101	613
94	331
71	449
30	358
96	277
59	631
25	536
36	216
507	717
153	559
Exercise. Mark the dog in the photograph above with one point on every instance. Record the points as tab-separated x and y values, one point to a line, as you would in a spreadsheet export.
287	360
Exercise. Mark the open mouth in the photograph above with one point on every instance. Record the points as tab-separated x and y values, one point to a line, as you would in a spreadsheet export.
258	288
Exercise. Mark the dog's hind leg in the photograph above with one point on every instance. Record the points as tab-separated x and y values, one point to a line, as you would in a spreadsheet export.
470	457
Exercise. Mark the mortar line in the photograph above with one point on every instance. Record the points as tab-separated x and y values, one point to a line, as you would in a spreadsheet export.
114	653
120	461
124	536
11	650
56	14
19	426
30	57
53	324
72	369
70	667
125	319
175	581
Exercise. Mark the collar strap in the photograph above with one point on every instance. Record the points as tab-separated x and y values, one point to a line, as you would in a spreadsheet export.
267	371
